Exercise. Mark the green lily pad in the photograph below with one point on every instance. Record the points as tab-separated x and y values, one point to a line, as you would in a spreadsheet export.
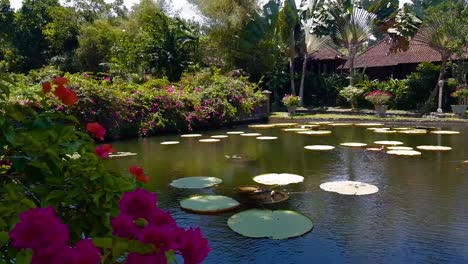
209	204
197	182
445	132
433	148
277	224
122	154
388	142
169	142
251	134
278	178
349	187
191	135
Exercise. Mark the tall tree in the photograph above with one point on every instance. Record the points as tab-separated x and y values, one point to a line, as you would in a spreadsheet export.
6	34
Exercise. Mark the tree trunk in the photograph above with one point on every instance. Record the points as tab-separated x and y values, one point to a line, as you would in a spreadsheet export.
351	64
301	87
443	66
292	54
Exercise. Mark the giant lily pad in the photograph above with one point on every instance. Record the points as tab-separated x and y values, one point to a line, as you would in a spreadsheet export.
349	187
277	224
322	123
284	124
369	124
209	204
309	126
315	132
384	131
263	126
122	154
388	142
434	148
378	128
445	132
220	136
413	131
353	144
197	182
319	147
278	178
295	129
399	148
169	142
402	128
266	138
341	124
209	140
191	135
404	152
235	132
251	134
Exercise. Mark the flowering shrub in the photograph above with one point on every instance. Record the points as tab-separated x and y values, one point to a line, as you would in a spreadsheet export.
378	97
291	100
462	95
351	94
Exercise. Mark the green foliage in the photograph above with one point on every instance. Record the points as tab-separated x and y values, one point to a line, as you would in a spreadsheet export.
420	84
351	94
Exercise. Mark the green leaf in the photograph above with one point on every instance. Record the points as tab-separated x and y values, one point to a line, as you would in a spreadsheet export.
141	248
24	257
3	238
103	242
119	247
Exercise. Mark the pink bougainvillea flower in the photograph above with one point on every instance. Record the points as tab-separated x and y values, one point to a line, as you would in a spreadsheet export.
138	204
46	87
123	226
197	89
162	237
135	258
84	252
104	150
196	247
39	229
96	129
60	81
160	217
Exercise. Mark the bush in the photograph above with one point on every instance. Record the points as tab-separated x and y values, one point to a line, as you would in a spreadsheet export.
291	100
420	85
351	94
378	97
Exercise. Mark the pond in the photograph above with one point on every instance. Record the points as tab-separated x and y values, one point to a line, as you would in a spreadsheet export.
419	215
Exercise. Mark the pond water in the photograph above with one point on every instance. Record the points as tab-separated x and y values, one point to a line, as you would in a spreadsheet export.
419	215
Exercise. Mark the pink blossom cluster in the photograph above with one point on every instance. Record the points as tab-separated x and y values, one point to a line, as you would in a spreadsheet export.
379	97
43	232
141	219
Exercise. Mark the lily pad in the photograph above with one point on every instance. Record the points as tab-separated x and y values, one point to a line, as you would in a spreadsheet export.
384	131
388	142
353	144
266	138
434	148
399	148
402	128
169	142
319	147
197	182
295	129
235	132
404	152
349	187
277	224
374	149
209	204
341	124
278	178
445	132
315	132
284	124
378	128
191	135
309	126
219	136
209	140
264	126
414	131
122	154
321	123
369	124
251	134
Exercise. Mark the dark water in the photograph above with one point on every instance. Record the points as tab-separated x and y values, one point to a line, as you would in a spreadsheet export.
420	214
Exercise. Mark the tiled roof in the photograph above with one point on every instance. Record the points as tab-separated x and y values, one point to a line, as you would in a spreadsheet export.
379	55
326	53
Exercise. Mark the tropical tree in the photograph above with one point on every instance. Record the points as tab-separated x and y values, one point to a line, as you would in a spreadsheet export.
445	29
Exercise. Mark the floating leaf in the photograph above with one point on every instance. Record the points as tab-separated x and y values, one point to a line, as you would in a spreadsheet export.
341	124
251	134
169	142
295	129
284	124
445	132
388	142
219	136
319	147
322	123
262	126
197	182
349	187
122	154
414	131
309	126
434	148
369	124
374	149
399	148
266	138
208	204
315	132
353	144
235	132
402	128
278	178
278	224
191	135
404	152
384	131
209	140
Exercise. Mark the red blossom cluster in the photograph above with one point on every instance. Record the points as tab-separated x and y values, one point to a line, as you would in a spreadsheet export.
44	233
138	173
141	219
67	96
379	97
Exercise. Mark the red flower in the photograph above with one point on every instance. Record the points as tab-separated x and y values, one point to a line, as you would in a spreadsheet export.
103	151
46	87
69	97
96	129
138	173
60	81
60	91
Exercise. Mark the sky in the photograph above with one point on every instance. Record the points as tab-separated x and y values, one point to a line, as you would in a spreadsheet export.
185	9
